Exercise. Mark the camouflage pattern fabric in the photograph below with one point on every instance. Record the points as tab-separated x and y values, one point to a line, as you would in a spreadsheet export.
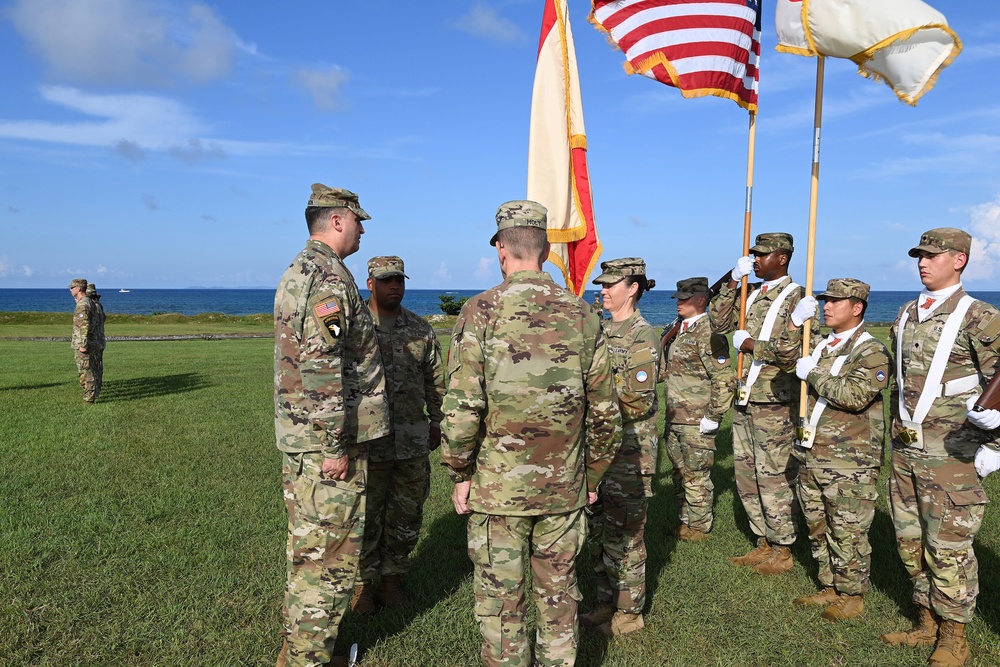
88	332
87	368
698	376
693	455
500	548
85	324
397	491
839	507
97	358
935	495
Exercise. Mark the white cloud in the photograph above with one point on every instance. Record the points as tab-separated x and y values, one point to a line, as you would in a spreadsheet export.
985	228
485	269
324	86
115	42
442	272
483	21
27	271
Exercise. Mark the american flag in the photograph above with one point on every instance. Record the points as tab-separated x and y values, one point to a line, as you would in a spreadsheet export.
327	308
701	47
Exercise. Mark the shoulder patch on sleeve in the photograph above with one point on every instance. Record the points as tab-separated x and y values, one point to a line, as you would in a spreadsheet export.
991	330
720	349
328	315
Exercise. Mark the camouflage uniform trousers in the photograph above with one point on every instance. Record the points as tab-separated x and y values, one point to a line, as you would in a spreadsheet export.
90	368
839	507
397	491
693	455
500	548
765	470
617	525
325	529
937	507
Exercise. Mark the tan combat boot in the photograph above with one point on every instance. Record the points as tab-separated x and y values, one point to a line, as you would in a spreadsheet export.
952	648
282	654
780	560
846	606
363	600
390	593
694	535
825	597
599	615
756	555
923	633
622	624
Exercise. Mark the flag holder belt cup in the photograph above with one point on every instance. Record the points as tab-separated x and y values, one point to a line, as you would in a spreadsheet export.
911	433
805	434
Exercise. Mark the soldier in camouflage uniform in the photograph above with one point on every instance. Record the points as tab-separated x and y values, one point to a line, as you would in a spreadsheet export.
698	390
330	402
98	358
763	464
86	325
935	494
399	478
531	425
618	521
840	450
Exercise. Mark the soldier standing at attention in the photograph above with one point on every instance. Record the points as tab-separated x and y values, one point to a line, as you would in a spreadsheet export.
329	402
767	404
399	476
531	425
947	345
618	522
86	322
98	361
840	449
698	390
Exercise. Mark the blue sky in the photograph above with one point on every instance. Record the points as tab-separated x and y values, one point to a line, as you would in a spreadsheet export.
148	143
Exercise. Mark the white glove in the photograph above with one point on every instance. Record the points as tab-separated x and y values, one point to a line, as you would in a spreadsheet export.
708	426
740	336
803	366
986	419
804	310
987	461
744	266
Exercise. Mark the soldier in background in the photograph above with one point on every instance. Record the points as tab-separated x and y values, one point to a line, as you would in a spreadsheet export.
86	324
399	476
840	450
525	458
330	402
946	346
98	361
618	521
698	390
767	406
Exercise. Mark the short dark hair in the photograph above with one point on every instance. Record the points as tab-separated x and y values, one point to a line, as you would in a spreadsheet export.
864	304
524	243
645	284
317	217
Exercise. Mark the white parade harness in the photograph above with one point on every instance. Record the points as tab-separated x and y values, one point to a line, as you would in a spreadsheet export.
743	390
808	434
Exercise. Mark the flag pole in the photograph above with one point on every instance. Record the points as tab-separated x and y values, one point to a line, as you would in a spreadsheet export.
813	198
751	143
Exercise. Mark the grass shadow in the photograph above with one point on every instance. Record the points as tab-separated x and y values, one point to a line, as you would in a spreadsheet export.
18	387
132	389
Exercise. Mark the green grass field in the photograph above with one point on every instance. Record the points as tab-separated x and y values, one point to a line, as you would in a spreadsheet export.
148	529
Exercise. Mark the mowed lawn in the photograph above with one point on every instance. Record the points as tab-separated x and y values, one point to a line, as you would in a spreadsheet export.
149	530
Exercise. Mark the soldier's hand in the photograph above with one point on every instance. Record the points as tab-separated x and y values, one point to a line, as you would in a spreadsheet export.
335	468
804	310
591	497
434	438
742	340
803	366
83	349
460	497
987	461
708	426
744	266
984	419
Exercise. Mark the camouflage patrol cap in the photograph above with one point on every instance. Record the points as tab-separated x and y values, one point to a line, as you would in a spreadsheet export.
385	266
842	288
333	197
688	287
78	282
771	241
614	270
91	289
520	213
941	240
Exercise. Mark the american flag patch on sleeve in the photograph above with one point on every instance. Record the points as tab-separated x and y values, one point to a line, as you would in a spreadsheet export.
327	308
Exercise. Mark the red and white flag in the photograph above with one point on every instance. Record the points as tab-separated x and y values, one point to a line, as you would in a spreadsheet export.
558	177
905	43
701	47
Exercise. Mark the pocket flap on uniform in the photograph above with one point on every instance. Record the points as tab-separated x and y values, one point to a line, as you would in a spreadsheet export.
488	606
968	497
859	491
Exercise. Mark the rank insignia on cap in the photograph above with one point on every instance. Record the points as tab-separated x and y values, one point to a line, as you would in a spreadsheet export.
641	376
880	376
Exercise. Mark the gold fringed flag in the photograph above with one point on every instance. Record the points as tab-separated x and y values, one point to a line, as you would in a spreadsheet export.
905	43
558	177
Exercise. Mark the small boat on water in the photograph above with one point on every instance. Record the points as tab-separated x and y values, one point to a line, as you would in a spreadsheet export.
124	291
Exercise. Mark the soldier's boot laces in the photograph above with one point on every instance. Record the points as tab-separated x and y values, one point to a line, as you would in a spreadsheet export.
598	616
923	633
846	606
780	560
825	597
621	624
363	599
755	556
390	592
952	648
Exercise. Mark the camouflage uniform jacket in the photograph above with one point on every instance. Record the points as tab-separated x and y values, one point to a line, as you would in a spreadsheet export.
414	380
851	429
100	339
85	325
977	350
329	386
697	375
530	412
777	382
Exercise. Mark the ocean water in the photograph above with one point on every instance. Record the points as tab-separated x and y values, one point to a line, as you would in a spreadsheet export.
656	305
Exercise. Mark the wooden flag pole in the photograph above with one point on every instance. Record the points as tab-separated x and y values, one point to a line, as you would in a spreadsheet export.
751	142
811	248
